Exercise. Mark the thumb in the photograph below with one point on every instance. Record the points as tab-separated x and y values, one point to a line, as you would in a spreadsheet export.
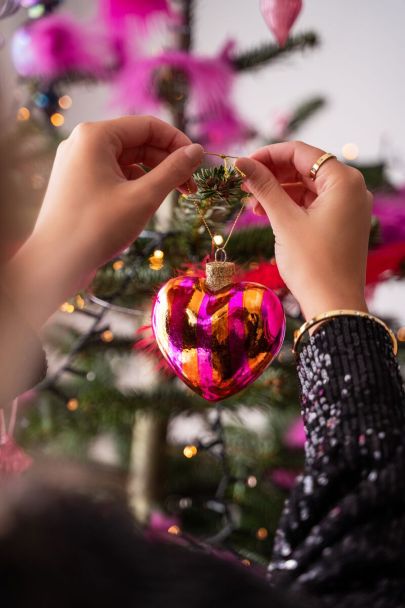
266	189
172	172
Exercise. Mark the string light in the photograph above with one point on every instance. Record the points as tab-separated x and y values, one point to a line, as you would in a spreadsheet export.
218	240
67	307
57	119
251	481
90	376
262	534
190	451
65	102
118	265
401	334
156	261
350	151
107	336
175	530
35	12
23	114
246	562
72	405
80	303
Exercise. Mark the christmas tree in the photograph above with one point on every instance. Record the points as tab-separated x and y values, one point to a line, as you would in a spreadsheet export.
109	393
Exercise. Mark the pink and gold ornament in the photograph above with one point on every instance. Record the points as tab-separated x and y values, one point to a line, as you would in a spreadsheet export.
216	335
280	16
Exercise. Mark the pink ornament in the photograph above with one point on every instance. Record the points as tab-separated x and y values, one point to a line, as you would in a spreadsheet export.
280	16
56	45
217	342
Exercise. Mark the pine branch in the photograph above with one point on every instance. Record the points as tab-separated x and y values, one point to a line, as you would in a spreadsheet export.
270	52
305	111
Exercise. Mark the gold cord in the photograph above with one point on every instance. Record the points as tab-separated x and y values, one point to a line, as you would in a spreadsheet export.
201	214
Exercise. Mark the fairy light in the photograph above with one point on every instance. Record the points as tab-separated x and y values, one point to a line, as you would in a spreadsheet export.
118	265
79	301
107	336
72	405
401	334
23	114
262	534
57	119
156	261
67	307
175	530
218	240
251	481
190	451
65	102
246	562
350	151
35	12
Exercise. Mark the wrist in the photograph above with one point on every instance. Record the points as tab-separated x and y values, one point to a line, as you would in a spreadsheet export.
351	300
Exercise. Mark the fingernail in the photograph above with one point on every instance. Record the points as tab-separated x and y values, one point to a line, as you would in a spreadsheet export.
194	152
245	165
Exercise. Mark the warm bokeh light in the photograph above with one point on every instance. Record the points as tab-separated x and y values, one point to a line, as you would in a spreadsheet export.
67	307
350	151
65	102
57	119
218	240
175	530
251	481
262	534
118	265
107	336
158	253
401	334
79	301
190	451
23	114
72	405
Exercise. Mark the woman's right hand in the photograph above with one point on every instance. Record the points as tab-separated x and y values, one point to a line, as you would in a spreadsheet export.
321	226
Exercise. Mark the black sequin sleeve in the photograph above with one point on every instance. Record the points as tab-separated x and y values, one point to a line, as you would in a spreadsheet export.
341	538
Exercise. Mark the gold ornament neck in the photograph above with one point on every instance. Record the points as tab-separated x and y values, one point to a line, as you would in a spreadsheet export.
219	275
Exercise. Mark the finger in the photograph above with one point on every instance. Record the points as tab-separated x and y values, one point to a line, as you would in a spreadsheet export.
171	173
130	132
133	172
300	194
292	161
264	186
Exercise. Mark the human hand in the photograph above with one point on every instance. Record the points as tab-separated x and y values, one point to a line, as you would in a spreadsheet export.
321	226
97	202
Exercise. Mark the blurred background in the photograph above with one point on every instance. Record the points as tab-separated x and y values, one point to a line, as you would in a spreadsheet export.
234	74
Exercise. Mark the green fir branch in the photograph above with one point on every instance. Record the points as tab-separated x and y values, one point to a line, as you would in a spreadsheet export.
267	53
304	112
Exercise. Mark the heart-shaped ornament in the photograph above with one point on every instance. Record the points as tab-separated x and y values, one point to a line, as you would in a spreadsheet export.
218	340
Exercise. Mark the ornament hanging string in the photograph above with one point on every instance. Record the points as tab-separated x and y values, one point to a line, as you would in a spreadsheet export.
220	249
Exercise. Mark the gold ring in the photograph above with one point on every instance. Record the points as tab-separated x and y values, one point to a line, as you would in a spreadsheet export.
318	164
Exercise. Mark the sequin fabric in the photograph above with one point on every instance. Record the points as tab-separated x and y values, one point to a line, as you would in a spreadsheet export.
341	539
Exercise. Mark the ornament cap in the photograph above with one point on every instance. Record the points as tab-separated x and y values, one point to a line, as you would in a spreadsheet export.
219	274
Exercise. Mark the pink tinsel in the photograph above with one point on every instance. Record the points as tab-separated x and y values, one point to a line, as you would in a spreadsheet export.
295	437
56	45
390	210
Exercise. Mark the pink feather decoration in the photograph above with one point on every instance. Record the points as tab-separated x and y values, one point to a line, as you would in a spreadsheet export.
115	12
210	80
280	16
223	127
56	45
